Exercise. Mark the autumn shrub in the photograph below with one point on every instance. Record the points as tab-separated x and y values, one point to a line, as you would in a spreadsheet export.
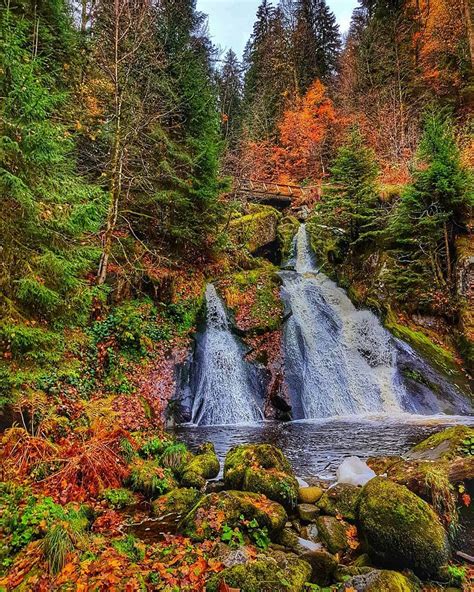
21	452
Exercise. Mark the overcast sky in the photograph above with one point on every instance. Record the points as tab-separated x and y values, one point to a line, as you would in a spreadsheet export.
231	21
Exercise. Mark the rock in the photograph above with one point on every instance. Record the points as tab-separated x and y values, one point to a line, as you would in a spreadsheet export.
401	529
205	465
323	566
309	495
178	501
354	471
381	464
256	229
333	533
149	478
362	561
230	557
261	468
206	519
381	580
344	572
340	500
273	572
287	229
307	512
444	445
289	538
312	533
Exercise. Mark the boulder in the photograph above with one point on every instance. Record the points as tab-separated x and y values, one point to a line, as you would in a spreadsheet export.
287	229
307	512
204	465
340	500
273	572
309	495
333	533
178	501
381	580
444	445
323	566
401	529
256	229
261	468
207	518
354	471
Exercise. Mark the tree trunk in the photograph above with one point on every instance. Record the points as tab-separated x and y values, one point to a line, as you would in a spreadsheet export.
469	14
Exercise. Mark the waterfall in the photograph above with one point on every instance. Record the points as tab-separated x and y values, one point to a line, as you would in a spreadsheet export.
338	360
225	387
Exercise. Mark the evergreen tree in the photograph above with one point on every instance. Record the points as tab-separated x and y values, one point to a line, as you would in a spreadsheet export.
47	207
230	86
425	224
352	204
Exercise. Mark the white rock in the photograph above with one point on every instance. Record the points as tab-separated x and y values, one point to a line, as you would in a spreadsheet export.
354	471
309	545
301	482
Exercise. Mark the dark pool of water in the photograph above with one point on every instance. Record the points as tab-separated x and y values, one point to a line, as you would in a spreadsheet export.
316	448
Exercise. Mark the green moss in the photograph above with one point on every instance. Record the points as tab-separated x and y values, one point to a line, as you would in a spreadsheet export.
277	572
205	465
401	529
340	500
255	229
149	478
118	498
378	580
287	229
207	518
333	533
178	501
261	468
444	445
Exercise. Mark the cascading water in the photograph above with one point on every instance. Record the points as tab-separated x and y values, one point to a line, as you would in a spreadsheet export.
338	360
225	387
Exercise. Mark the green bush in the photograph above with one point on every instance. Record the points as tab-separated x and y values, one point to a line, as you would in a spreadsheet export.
118	498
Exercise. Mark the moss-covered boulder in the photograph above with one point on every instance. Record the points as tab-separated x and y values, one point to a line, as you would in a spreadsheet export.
204	465
401	529
149	478
333	533
445	445
340	500
207	519
307	512
287	229
323	566
256	229
261	468
381	580
274	572
178	501
309	495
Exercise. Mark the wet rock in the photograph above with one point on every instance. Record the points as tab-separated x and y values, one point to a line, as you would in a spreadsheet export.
307	512
443	446
354	471
261	468
323	566
333	533
206	519
273	572
309	495
401	529
178	501
256	229
312	533
204	465
381	580
381	464
340	500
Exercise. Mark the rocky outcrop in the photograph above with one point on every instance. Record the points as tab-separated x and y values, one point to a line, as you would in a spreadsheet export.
256	229
203	466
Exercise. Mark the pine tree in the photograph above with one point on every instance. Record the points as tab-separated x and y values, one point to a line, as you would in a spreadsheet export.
47	207
424	227
230	85
352	204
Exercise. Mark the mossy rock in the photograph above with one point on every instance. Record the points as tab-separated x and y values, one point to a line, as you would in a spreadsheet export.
274	572
309	495
261	468
287	229
205	465
444	445
381	580
323	566
307	512
256	229
149	478
178	501
206	519
401	529
333	533
340	500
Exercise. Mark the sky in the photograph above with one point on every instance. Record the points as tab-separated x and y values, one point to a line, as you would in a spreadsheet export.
231	21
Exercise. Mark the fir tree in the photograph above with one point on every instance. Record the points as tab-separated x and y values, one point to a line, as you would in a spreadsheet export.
230	86
424	227
351	204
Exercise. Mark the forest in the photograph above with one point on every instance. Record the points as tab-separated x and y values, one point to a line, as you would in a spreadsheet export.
236	298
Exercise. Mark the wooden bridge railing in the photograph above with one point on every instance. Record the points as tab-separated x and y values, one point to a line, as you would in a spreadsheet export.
266	188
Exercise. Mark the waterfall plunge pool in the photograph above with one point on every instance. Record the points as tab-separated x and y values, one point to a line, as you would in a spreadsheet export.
316	448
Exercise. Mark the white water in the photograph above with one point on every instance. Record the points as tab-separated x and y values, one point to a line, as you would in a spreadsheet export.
339	360
225	386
